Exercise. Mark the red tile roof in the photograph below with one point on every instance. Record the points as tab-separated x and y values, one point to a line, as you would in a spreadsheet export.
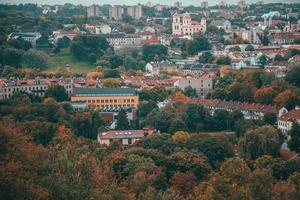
292	115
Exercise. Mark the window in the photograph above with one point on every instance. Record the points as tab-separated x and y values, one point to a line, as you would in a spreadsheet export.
129	141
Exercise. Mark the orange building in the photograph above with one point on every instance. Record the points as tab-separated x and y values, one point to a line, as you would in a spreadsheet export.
106	98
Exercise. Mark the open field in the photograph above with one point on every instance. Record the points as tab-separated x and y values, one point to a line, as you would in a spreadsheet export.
63	58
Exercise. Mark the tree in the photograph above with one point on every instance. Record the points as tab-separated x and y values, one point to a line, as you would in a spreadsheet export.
196	45
63	42
35	59
190	92
249	48
195	117
122	120
224	60
154	52
293	75
146	107
111	73
20	43
183	183
206	57
177	125
261	184
264	140
115	61
58	92
288	99
265	95
12	56
130	63
294	142
263	60
110	83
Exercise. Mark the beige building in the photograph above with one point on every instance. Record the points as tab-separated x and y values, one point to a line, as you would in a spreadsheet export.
36	87
126	137
203	85
93	11
285	121
116	12
135	11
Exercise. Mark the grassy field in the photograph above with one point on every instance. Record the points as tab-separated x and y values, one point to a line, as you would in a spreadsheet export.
63	58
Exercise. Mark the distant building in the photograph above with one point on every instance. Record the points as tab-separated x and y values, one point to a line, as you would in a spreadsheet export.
221	24
116	12
31	37
238	64
93	11
36	87
249	110
106	98
135	11
154	68
281	38
183	25
202	85
122	39
126	137
204	4
285	121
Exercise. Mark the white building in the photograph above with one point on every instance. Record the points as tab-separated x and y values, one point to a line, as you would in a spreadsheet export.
285	121
221	24
154	68
31	37
183	25
123	39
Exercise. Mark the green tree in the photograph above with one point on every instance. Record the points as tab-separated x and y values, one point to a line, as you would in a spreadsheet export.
264	140
58	92
130	63
206	57
293	76
190	92
122	120
35	59
196	45
249	48
263	60
177	125
146	107
154	52
294	142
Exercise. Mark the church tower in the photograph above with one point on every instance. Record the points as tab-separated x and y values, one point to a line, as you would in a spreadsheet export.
176	24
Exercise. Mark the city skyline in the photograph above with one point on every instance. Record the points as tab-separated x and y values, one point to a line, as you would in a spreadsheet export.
132	2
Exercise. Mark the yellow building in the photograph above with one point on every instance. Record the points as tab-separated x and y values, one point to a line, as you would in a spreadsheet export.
106	98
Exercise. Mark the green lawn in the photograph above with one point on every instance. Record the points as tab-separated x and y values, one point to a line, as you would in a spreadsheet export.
63	58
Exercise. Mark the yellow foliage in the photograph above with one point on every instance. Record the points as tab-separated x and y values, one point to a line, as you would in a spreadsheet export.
181	135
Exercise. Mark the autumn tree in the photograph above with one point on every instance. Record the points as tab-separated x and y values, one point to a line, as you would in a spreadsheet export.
111	83
264	95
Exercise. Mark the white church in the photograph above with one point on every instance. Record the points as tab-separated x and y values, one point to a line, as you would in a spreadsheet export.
183	25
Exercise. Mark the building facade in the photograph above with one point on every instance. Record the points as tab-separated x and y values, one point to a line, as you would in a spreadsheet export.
202	85
135	11
31	37
116	12
93	11
36	87
285	121
183	25
106	98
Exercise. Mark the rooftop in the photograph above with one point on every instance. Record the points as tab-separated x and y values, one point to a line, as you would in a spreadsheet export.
122	134
292	115
84	92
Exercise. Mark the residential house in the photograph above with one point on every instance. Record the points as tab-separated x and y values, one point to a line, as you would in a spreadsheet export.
285	121
126	137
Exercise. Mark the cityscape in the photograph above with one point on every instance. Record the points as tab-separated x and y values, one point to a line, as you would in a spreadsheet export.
133	100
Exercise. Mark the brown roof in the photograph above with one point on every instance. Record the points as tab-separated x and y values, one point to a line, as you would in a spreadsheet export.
236	105
292	115
286	154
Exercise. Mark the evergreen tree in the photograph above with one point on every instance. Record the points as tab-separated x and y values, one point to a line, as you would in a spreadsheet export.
122	121
294	143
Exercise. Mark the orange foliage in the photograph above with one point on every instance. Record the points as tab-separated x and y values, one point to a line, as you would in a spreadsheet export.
180	98
93	75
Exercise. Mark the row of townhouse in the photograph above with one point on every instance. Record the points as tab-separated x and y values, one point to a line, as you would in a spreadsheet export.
36	87
249	110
